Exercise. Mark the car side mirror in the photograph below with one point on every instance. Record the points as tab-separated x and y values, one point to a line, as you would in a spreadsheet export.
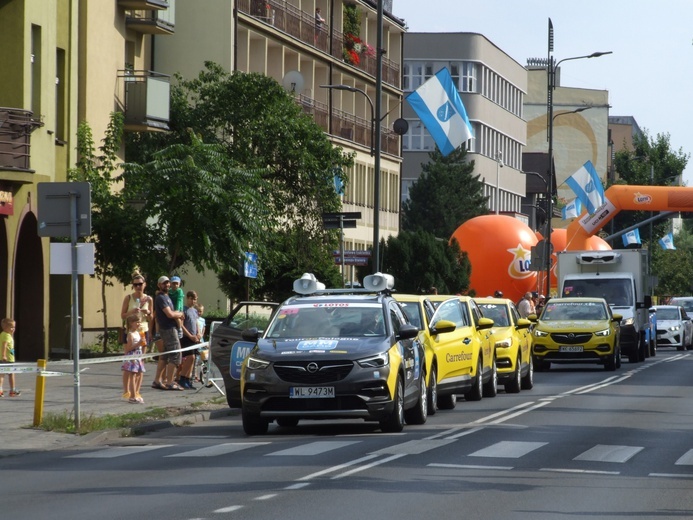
252	334
407	331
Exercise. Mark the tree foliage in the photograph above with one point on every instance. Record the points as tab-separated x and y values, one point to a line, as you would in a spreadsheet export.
259	127
419	261
446	194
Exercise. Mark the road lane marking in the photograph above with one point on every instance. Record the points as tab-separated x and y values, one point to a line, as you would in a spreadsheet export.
313	448
332	469
367	466
117	451
581	471
414	447
508	449
468	466
219	449
686	459
228	509
609	453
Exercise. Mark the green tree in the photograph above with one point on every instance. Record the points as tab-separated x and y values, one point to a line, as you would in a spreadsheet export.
674	268
260	128
115	228
446	195
419	261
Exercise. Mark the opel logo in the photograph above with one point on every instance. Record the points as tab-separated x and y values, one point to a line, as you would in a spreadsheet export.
312	367
571	335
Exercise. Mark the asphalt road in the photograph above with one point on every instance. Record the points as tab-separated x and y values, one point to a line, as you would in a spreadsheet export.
584	443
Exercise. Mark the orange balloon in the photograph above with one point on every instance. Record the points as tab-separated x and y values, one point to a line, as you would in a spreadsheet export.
499	250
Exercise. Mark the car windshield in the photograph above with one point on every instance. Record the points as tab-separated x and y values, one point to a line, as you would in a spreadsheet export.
616	291
309	320
555	311
686	304
498	313
668	314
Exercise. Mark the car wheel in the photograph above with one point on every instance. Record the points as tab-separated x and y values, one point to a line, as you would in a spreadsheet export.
477	391
447	402
610	364
528	379
514	385
394	423
287	422
253	424
618	358
541	365
491	386
433	392
419	413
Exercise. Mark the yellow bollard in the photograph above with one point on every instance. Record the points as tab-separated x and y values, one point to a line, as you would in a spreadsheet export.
40	391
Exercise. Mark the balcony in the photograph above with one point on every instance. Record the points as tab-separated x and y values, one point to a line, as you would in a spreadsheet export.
150	20
147	97
143	5
16	126
348	126
301	25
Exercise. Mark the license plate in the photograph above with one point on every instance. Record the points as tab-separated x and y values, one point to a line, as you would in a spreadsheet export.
311	392
570	349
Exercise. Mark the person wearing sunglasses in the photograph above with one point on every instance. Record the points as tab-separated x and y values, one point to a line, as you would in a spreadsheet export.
137	303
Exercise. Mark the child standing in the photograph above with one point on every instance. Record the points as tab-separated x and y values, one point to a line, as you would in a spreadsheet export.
134	368
178	299
7	354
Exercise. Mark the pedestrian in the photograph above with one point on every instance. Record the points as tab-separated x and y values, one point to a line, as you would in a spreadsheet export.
526	306
138	303
498	294
541	301
167	322
178	299
319	20
7	348
191	337
201	324
133	369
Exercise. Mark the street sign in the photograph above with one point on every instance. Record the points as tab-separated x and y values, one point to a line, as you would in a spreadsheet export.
335	224
351	260
250	265
352	252
54	203
340	220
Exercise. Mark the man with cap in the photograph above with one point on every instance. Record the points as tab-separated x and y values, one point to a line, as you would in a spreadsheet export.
167	319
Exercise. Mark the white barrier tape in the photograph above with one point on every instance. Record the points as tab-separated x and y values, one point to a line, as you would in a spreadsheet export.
125	357
25	368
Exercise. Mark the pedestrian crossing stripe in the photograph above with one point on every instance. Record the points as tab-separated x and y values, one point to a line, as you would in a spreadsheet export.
219	449
117	451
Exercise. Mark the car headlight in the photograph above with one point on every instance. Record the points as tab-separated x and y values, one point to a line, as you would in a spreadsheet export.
253	363
604	332
627	321
379	361
674	328
504	343
540	333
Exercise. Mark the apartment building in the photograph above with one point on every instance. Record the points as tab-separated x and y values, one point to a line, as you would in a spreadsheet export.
64	62
284	40
492	86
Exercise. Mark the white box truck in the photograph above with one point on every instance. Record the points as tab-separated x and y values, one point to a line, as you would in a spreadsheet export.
622	278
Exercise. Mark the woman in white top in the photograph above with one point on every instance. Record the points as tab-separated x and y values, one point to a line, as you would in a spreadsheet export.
137	303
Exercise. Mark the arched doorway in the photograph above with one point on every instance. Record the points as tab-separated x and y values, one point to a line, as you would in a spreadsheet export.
28	293
4	264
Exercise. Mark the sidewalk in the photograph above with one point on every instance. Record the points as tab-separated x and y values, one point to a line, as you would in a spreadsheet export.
100	394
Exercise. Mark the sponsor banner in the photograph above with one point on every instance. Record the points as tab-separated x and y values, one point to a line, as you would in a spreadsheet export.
593	223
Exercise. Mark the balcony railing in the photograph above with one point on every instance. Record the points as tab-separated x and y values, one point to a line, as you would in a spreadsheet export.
143	5
348	126
16	126
301	25
150	21
146	102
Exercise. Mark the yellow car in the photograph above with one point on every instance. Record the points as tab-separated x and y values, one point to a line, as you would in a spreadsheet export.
513	341
576	330
457	340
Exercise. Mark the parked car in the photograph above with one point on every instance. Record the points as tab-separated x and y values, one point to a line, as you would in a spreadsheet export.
335	353
576	330
513	341
456	345
674	327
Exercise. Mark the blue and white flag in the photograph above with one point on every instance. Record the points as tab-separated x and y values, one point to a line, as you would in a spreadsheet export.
632	237
587	186
437	103
667	241
572	209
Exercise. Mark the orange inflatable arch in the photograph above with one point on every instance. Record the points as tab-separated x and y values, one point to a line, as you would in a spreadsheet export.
634	198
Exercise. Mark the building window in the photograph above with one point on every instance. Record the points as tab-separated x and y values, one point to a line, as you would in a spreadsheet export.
468	80
416	73
417	138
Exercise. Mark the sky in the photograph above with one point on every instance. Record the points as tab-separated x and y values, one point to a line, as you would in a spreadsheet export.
649	75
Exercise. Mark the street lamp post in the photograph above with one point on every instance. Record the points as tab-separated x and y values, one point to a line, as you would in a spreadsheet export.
551	69
499	165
